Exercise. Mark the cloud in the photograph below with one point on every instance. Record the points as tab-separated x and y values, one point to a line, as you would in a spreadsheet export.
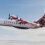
10	33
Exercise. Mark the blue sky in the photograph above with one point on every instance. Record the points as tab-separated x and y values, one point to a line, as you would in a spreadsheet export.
29	10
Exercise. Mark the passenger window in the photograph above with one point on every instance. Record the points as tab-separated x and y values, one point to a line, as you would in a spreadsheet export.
5	22
14	22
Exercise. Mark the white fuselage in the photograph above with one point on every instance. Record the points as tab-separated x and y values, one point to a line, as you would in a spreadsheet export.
7	22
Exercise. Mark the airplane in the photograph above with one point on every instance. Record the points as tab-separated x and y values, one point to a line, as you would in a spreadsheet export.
21	24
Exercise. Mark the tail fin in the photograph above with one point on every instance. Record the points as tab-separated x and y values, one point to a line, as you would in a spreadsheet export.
41	21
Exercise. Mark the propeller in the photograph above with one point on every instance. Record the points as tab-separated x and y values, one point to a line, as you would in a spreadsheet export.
20	18
9	16
17	17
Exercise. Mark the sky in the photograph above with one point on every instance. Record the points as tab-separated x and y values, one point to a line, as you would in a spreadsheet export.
29	10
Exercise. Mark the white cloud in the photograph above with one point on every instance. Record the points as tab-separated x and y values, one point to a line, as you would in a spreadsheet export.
18	34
